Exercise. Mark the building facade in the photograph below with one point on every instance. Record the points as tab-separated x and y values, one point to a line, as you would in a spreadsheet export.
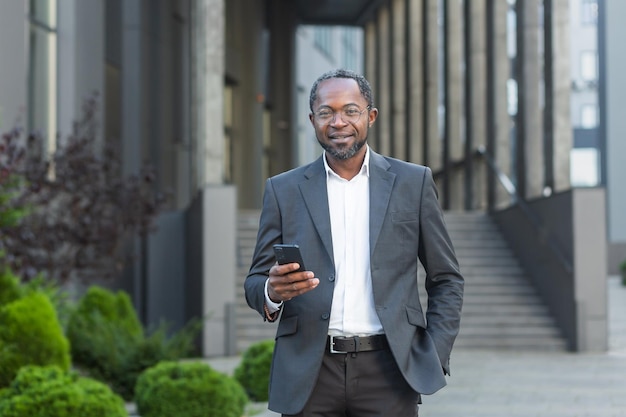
214	95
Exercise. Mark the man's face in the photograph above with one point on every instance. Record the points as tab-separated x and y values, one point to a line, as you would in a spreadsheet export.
341	118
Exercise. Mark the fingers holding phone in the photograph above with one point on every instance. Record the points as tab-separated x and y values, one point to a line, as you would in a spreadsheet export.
289	277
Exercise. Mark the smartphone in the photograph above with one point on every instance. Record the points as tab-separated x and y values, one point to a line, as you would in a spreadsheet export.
286	254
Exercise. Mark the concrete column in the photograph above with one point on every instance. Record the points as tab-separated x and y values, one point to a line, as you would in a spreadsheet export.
13	44
499	122
612	111
385	114
282	81
416	96
431	68
475	119
590	252
371	73
207	55
247	45
529	152
131	88
398	79
219	267
453	151
562	133
80	64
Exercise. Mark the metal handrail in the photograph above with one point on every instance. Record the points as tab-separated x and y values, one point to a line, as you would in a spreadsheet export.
543	232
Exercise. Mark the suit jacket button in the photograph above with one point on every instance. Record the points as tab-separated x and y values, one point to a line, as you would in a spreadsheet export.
325	316
331	278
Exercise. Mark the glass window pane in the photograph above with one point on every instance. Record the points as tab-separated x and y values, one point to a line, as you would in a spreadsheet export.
589	11
584	167
588	66
589	116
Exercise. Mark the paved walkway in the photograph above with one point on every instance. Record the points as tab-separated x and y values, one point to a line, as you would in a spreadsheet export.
522	384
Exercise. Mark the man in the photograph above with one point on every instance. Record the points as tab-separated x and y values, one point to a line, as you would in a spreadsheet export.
353	339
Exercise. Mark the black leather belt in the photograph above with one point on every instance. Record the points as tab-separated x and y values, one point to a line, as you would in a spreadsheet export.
341	344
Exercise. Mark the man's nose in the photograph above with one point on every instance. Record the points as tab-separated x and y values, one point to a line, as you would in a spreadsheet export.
338	119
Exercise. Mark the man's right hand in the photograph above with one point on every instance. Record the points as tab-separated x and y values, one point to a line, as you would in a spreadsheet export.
284	283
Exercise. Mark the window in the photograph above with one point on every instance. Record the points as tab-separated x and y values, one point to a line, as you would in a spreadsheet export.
588	66
42	69
589	12
584	170
588	116
322	41
349	40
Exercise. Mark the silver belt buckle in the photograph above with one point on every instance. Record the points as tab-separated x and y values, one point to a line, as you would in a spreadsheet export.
332	346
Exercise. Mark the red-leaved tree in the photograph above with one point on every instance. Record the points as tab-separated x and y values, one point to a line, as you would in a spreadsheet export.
76	211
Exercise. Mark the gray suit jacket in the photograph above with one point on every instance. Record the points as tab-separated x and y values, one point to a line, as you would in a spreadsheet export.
406	223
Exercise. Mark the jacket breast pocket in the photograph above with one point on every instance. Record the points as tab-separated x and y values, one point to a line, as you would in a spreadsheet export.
404	216
406	231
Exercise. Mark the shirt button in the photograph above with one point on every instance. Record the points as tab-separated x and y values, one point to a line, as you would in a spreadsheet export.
325	316
331	278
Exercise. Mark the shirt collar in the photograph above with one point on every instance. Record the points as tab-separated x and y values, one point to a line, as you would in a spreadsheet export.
365	168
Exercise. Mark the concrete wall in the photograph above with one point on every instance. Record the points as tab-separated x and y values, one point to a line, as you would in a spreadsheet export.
166	271
563	251
210	282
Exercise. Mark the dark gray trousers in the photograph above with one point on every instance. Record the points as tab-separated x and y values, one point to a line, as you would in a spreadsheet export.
364	384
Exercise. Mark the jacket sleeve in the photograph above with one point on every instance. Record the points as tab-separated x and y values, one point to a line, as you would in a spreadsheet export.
270	233
444	283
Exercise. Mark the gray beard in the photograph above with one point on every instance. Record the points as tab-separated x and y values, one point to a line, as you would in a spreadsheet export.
343	153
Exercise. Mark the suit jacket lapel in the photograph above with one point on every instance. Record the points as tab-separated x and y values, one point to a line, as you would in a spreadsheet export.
381	184
315	196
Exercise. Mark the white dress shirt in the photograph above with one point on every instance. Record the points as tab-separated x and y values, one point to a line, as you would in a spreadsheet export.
352	312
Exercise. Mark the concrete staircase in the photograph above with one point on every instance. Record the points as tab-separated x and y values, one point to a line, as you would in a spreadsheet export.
501	309
250	325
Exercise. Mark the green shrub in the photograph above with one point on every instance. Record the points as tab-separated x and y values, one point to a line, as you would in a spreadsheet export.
51	392
10	214
253	372
109	344
30	334
59	297
9	287
112	307
101	320
190	389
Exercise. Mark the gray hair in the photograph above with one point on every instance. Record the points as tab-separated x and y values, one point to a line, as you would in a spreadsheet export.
364	85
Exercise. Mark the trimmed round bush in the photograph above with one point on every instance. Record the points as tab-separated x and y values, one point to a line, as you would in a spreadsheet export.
104	331
115	307
30	334
188	389
253	372
51	392
109	343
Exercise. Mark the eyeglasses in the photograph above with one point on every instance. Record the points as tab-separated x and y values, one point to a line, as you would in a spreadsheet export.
350	114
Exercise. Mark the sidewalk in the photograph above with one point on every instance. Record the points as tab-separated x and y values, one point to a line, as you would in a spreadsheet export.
523	384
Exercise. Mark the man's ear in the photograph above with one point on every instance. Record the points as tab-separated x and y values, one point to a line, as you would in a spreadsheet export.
373	114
